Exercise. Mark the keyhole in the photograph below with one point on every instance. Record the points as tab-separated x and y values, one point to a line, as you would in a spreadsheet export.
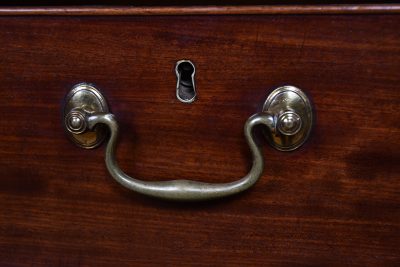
185	87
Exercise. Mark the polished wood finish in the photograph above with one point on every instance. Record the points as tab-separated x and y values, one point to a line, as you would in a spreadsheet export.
333	202
202	10
169	3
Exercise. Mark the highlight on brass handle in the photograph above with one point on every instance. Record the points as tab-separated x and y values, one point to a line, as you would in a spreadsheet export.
286	115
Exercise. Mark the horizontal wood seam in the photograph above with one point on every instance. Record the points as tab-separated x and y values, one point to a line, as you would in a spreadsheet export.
201	10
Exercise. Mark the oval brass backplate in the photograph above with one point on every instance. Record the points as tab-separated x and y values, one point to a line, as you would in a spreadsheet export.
84	98
293	113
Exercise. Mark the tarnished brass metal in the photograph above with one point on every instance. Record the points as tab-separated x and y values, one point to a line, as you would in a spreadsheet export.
83	100
286	117
292	111
185	84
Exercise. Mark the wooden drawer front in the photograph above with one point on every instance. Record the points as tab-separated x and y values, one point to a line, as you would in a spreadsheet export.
333	202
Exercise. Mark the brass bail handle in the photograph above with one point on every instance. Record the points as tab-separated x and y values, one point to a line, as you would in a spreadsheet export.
286	115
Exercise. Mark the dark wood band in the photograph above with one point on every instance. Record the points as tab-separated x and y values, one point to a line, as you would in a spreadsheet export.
202	10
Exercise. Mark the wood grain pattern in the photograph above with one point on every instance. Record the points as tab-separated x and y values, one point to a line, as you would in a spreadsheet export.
334	202
201	10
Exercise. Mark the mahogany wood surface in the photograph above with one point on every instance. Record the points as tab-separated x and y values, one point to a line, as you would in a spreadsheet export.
169	3
333	202
201	10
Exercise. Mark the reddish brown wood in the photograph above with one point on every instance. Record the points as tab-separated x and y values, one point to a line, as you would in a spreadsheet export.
334	202
202	10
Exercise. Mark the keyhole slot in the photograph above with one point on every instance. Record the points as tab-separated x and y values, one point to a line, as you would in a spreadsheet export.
185	87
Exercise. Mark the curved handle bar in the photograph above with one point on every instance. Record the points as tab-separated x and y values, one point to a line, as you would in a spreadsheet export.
287	113
184	189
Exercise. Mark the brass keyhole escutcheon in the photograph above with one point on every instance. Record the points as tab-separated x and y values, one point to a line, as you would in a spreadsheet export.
185	84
